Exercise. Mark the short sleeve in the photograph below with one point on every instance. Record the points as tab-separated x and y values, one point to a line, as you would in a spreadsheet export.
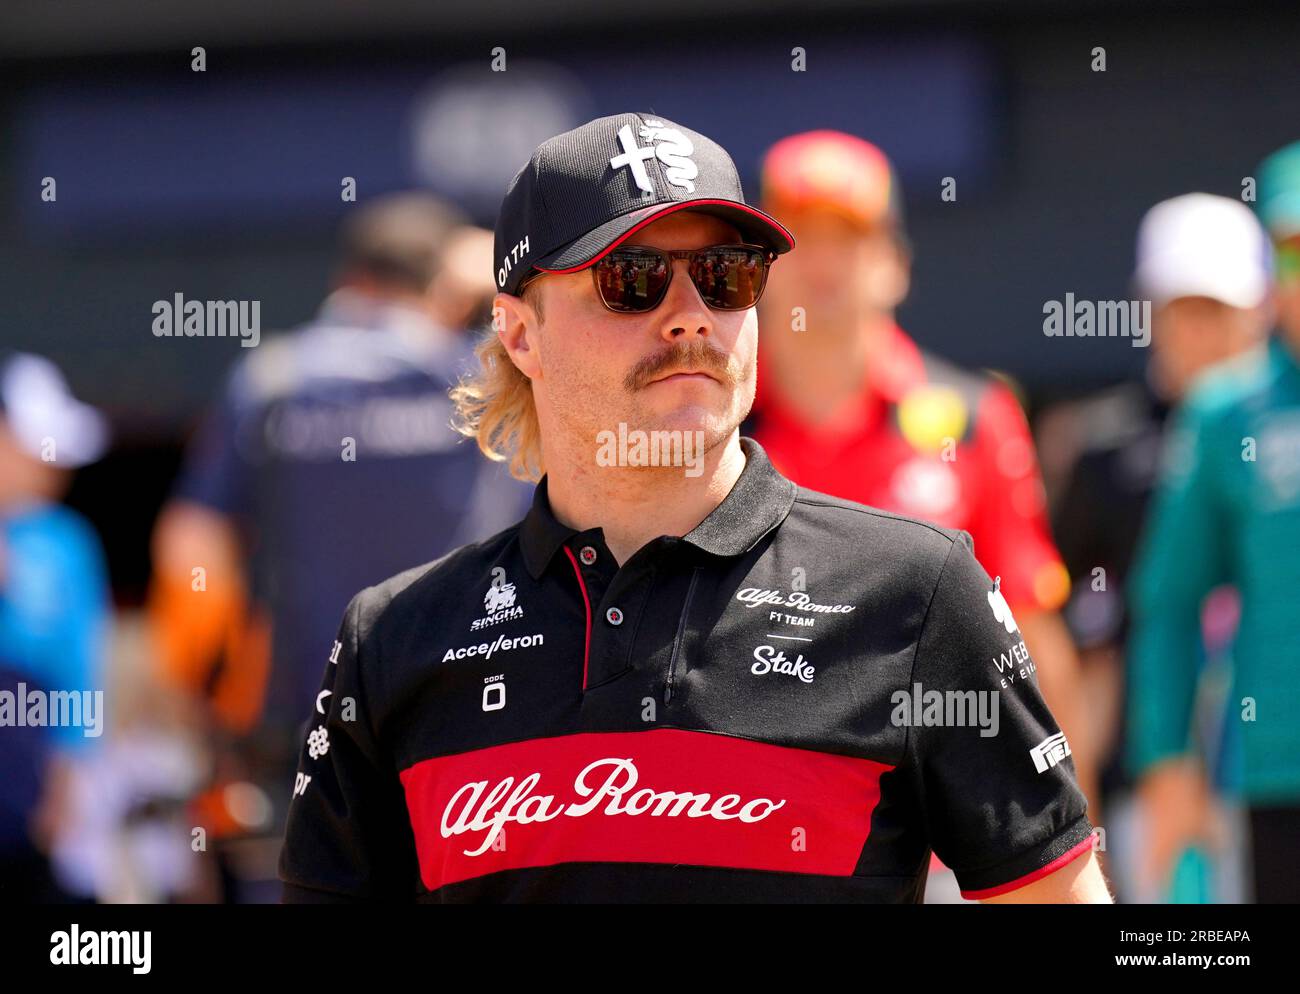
348	836
1001	803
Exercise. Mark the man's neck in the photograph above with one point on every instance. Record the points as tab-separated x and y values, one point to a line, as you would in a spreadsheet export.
636	505
813	374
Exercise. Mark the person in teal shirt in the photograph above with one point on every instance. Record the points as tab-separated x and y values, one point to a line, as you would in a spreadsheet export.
1227	511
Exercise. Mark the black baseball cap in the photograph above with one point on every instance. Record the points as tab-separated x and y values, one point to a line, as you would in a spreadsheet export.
586	190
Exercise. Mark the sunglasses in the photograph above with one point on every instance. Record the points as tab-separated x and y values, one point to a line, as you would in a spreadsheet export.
633	279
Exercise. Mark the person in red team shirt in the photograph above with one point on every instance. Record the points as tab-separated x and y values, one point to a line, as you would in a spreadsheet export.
849	405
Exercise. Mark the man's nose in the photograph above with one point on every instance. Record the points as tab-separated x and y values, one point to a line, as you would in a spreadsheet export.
683	314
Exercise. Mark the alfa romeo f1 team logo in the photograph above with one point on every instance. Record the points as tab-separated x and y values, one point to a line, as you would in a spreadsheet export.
668	145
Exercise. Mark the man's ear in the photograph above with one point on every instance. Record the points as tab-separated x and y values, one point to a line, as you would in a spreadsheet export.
900	277
516	323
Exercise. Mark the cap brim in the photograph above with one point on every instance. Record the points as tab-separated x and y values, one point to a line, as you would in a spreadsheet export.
753	224
1244	291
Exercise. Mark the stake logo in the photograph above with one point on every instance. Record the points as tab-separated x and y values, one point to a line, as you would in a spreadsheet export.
770	660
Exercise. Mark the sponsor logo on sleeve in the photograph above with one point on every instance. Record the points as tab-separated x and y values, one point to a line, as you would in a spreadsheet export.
318	742
1014	663
1049	752
1001	609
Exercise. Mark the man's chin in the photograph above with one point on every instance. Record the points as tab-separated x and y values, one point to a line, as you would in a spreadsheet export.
691	418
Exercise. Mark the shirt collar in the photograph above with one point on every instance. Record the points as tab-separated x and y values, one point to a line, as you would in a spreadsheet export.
758	502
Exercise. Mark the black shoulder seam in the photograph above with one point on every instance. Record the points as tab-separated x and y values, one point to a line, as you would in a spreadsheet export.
369	699
908	737
875	512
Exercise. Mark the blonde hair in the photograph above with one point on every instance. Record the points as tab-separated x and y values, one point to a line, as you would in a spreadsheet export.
495	406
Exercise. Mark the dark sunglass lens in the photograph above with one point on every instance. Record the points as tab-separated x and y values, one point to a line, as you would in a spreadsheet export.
730	278
631	280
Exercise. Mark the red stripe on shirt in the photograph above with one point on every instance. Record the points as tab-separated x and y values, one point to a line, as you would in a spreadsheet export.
586	602
660	796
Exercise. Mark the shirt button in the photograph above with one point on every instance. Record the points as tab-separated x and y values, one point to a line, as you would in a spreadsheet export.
587	555
614	616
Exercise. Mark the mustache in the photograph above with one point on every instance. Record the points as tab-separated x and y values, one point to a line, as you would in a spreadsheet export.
695	356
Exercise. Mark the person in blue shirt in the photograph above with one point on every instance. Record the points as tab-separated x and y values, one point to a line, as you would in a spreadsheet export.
54	618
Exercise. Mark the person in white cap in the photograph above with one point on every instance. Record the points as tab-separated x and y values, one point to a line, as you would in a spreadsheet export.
1226	513
1202	261
54	610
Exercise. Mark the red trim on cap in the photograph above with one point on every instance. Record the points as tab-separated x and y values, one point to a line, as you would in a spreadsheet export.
586	602
1029	878
658	214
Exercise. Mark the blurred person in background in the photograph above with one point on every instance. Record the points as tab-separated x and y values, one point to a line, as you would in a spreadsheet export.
328	464
1202	262
54	626
849	405
1227	510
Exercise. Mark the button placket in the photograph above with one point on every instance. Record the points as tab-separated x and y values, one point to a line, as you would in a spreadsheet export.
618	624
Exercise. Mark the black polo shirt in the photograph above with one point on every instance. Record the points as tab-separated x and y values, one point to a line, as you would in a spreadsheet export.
794	702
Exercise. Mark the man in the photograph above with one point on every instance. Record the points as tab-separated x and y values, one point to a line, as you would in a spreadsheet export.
1202	262
680	677
329	464
1227	510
